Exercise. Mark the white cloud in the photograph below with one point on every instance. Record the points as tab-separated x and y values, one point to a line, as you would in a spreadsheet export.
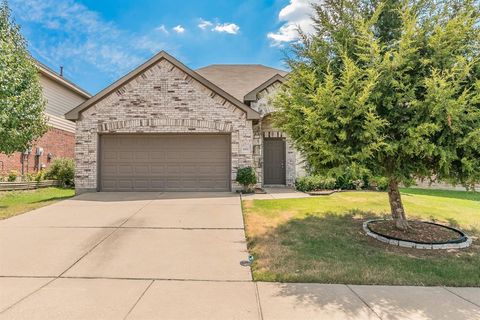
203	24
179	29
162	28
297	14
230	28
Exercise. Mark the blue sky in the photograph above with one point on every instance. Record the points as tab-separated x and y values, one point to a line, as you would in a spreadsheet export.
97	41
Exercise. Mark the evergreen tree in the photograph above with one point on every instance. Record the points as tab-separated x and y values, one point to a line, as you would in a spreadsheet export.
21	102
388	88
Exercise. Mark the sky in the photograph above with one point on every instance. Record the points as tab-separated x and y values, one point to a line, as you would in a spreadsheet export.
98	41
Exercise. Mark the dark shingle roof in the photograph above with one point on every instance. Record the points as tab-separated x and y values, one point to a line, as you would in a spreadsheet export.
238	79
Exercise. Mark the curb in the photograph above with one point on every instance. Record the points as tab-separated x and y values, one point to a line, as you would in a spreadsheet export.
415	245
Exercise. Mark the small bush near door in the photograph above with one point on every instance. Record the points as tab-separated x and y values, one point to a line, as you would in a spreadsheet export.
62	169
344	182
247	178
312	183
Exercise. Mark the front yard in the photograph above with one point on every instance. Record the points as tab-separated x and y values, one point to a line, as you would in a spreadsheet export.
320	239
17	202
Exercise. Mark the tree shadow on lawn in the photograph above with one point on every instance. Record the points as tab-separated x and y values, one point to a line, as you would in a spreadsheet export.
333	248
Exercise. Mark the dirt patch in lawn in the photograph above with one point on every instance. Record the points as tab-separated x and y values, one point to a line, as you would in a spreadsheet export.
419	231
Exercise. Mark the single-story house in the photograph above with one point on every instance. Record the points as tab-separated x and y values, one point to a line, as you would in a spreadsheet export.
166	127
61	95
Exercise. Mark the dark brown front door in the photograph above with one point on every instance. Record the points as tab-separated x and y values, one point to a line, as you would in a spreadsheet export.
274	160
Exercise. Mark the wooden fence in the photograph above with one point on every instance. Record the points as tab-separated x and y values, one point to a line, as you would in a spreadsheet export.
9	186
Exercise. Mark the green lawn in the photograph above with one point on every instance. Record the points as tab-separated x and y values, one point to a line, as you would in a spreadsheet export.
320	239
17	202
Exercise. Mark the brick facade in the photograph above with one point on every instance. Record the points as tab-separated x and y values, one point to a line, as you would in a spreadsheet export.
294	165
57	142
162	99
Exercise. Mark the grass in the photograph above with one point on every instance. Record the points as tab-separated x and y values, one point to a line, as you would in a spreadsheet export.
18	202
320	239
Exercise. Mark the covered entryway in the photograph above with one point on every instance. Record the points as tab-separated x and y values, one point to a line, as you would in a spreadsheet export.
164	162
274	161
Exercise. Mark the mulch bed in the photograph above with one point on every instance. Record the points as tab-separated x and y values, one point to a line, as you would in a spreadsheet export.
321	192
419	232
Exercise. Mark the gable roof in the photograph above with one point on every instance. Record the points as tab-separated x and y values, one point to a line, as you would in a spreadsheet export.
239	79
75	113
252	95
49	73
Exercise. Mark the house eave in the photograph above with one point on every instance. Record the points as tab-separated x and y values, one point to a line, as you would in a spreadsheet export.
252	95
74	114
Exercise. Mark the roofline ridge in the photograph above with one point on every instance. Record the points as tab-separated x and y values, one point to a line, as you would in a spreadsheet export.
75	112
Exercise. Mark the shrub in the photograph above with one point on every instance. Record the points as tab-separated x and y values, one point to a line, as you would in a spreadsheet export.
12	176
314	182
62	169
29	177
246	177
39	176
380	182
348	180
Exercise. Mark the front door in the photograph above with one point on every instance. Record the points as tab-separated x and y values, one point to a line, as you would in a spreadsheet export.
274	160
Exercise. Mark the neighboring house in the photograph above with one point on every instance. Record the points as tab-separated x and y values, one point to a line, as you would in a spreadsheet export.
61	96
165	127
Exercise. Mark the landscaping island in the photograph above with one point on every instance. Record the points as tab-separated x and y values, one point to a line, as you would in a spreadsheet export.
420	235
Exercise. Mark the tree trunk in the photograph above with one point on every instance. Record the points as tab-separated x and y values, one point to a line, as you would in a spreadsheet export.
396	206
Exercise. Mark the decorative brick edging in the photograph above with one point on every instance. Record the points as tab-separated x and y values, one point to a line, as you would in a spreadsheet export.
410	244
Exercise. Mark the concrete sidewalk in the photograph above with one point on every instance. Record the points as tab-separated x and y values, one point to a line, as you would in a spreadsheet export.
331	301
99	298
175	256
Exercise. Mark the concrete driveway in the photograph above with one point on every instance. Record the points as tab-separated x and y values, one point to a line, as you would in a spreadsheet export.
95	256
175	256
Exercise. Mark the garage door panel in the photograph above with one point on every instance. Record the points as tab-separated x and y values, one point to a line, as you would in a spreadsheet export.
141	156
157	169
125	170
165	163
157	155
157	183
109	183
109	170
109	155
173	170
125	155
141	184
125	184
141	169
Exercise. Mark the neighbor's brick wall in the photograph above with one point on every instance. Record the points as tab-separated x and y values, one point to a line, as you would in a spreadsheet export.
294	161
163	99
58	142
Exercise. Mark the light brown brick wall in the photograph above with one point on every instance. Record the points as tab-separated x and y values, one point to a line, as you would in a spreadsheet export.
163	99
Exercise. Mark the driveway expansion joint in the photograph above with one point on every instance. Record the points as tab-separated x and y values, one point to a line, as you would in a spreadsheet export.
461	297
364	302
27	296
259	303
138	300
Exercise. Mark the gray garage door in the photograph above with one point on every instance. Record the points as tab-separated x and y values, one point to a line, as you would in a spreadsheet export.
165	162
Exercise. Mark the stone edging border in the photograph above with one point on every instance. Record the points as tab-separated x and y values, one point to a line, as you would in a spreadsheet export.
410	244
